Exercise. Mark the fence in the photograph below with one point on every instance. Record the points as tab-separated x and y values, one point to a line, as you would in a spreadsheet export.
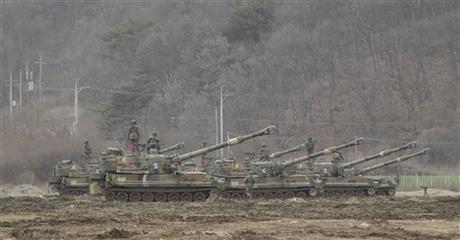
413	183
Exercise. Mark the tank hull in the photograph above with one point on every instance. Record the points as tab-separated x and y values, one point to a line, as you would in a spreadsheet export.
69	185
359	185
278	187
147	187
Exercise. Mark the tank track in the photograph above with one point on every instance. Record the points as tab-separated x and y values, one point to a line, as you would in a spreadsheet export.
280	194
75	191
157	194
359	191
239	194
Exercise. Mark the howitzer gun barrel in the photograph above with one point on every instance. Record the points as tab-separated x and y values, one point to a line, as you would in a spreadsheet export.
399	159
281	153
233	141
328	150
383	153
176	146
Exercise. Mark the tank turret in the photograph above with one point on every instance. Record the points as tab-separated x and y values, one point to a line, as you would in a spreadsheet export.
397	160
277	168
383	153
338	167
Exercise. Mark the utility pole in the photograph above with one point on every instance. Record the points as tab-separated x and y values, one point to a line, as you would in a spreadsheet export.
217	127
222	119
20	89
11	94
77	91
40	72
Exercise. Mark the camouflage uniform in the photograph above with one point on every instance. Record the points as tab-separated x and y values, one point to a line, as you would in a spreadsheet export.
153	143
264	153
249	181
87	150
133	136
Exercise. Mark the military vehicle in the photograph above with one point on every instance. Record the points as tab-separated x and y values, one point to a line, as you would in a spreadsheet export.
344	180
159	177
339	167
271	180
108	163
231	167
69	177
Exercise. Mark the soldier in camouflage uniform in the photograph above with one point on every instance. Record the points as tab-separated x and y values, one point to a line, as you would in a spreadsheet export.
249	180
264	153
133	136
153	143
87	150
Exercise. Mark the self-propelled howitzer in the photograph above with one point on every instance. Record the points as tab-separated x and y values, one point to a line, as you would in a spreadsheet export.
158	177
238	168
110	160
272	182
337	168
355	182
277	168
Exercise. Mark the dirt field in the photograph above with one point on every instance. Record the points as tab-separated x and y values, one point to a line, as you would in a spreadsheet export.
348	218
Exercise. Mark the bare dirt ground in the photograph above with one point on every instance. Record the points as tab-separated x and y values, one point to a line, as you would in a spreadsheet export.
87	217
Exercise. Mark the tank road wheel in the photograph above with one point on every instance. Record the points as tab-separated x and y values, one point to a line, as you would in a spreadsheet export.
161	197
173	197
370	191
134	197
110	195
186	197
313	192
289	195
148	197
279	195
391	191
199	197
236	196
268	195
258	195
225	195
122	197
301	195
74	193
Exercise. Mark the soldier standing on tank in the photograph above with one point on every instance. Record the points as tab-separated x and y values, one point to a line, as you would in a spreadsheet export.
249	180
264	153
309	145
133	136
153	143
87	150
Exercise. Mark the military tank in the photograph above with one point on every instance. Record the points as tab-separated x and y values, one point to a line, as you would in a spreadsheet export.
108	163
271	180
159	178
231	167
345	180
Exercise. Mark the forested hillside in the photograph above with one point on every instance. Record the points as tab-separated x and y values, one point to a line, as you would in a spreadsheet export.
385	70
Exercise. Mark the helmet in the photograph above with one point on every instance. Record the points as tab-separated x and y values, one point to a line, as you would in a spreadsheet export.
264	144
86	141
154	133
133	122
309	139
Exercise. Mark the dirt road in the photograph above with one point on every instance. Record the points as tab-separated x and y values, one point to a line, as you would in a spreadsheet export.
348	218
